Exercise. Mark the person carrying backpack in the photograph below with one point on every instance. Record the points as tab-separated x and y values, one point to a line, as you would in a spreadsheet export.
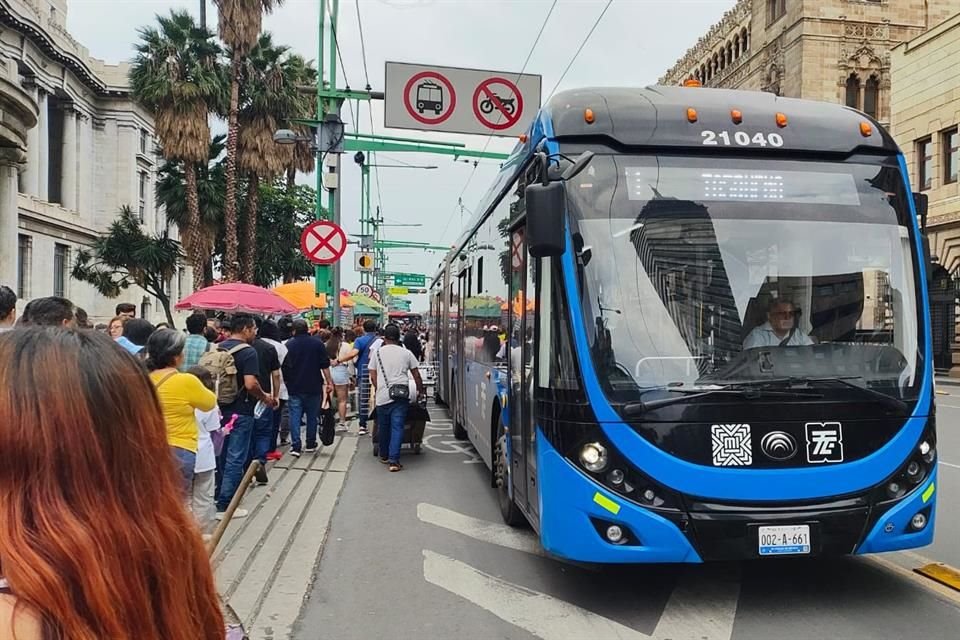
235	366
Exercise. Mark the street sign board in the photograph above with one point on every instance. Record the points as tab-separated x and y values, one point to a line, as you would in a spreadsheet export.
365	290
409	280
398	291
323	242
456	100
363	261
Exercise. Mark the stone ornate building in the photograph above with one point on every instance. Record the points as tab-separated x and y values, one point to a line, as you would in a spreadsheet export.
831	50
74	148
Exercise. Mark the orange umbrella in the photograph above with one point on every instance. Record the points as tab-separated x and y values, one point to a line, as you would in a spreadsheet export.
302	295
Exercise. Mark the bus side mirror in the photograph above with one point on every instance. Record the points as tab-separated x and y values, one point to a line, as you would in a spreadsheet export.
546	228
927	258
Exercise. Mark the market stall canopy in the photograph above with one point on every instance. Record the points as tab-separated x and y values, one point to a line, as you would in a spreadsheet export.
366	301
303	296
235	297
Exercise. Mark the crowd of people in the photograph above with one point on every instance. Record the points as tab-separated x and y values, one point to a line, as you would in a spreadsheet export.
94	418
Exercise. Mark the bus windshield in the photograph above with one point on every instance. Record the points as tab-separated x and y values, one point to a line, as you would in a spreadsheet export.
699	271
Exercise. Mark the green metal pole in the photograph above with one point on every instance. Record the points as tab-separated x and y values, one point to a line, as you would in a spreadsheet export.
320	272
333	289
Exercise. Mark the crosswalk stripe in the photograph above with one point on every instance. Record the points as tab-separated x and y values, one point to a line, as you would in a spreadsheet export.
483	530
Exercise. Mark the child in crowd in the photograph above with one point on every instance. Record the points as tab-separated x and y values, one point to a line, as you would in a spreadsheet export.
203	500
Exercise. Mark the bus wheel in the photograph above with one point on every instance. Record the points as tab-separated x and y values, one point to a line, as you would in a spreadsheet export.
508	508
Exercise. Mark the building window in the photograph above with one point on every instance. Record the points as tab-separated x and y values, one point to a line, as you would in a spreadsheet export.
181	279
853	91
776	9
951	155
871	97
925	163
61	258
144	141
144	185
24	265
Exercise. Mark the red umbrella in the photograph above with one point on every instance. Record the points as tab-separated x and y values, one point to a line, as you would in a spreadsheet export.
236	296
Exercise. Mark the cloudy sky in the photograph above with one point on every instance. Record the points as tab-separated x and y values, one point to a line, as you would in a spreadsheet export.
634	43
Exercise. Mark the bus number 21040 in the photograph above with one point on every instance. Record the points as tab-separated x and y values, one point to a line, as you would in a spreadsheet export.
741	139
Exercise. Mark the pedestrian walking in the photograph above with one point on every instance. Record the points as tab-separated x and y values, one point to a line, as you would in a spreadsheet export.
390	376
361	351
181	395
136	332
8	308
340	372
203	495
269	378
306	370
270	332
197	343
94	541
240	408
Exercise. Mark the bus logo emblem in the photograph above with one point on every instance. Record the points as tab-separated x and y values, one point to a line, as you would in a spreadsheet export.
824	442
732	446
778	445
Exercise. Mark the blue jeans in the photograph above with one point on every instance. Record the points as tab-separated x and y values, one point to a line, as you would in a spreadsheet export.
186	462
298	406
262	441
390	422
235	452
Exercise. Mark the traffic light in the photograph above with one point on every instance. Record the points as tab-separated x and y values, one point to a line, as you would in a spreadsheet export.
363	262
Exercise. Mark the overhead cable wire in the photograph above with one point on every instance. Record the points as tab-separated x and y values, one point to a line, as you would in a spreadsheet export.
473	171
343	67
580	48
366	77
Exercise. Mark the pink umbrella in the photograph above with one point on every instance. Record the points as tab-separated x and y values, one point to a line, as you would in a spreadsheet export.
236	297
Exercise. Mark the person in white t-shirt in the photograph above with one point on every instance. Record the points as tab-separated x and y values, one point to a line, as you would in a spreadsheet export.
392	365
780	329
203	503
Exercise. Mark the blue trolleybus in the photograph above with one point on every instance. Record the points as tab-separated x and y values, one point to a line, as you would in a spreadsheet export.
691	324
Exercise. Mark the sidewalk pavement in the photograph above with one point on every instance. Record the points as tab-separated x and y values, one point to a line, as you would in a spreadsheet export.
265	562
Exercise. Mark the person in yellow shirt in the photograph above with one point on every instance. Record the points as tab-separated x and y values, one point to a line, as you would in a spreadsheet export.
180	395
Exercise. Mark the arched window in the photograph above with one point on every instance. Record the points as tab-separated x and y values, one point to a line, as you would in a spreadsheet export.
703	73
745	38
871	96
853	91
736	46
730	57
716	63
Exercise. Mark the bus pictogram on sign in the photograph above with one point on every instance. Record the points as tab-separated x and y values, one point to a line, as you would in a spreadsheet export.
429	97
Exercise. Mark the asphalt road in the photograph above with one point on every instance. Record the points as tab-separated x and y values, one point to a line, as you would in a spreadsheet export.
423	554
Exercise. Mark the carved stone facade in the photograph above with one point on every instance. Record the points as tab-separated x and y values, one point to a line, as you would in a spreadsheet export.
74	148
831	50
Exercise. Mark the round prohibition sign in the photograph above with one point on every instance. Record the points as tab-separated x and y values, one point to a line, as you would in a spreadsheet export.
323	242
487	103
431	93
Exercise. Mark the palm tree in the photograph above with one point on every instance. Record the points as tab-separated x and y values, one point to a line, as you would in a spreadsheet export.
176	74
301	156
240	22
171	194
270	94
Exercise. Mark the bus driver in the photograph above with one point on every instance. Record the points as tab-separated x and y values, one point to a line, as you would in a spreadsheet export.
779	329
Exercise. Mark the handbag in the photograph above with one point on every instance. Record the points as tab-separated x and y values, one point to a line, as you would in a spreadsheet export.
396	391
327	422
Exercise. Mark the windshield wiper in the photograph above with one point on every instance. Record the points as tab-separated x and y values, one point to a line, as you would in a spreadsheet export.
888	400
751	390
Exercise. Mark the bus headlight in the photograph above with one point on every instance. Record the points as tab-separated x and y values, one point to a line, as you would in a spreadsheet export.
593	457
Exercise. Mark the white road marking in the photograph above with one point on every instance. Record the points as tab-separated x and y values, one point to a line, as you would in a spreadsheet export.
543	616
949	464
703	603
944	404
451	446
482	530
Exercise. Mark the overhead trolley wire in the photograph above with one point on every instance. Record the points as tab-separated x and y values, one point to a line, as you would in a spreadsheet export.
580	48
473	171
366	77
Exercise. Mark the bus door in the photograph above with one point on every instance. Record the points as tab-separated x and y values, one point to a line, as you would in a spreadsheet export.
521	363
458	408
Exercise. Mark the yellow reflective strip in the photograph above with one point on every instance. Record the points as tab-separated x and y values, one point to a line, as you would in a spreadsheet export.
606	503
942	573
927	493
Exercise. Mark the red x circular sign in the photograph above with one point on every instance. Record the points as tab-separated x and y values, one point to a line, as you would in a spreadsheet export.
323	242
497	103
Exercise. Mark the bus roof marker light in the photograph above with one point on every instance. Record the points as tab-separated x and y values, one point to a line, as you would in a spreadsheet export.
691	114
781	120
866	130
588	116
692	82
736	115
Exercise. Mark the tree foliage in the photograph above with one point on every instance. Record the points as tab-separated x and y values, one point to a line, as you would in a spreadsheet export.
126	256
283	216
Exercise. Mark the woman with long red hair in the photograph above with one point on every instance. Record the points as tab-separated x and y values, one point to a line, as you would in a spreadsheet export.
95	542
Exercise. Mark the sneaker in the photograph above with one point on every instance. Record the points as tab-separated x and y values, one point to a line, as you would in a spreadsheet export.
274	455
239	513
295	453
362	431
312	449
342	428
261	476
